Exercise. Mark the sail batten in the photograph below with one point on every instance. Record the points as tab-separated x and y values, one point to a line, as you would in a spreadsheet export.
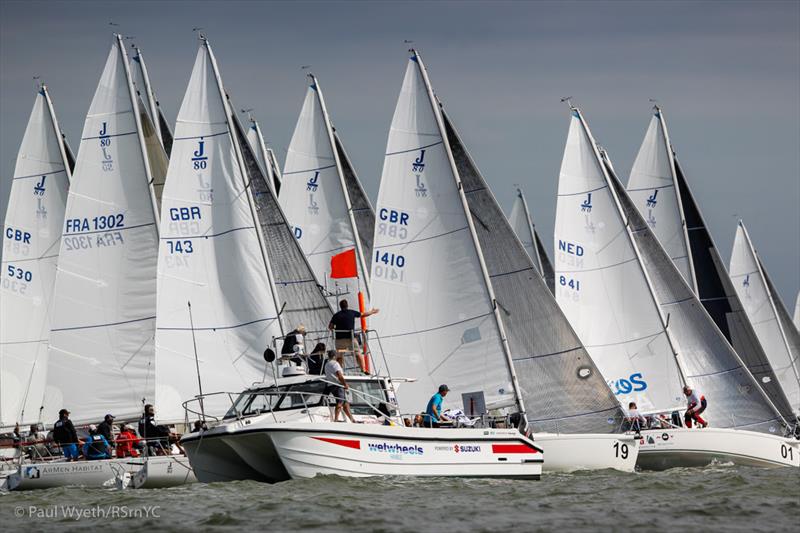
31	241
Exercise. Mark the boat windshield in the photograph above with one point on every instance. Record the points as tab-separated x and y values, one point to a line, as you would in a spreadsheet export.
364	397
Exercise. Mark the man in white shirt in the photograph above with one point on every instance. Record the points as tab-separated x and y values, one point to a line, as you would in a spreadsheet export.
695	404
335	376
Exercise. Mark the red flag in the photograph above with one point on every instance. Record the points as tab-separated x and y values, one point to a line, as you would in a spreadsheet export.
343	265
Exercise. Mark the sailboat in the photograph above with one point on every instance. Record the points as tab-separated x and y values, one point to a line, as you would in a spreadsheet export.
323	199
645	328
216	296
660	192
462	303
31	239
284	430
264	156
103	318
522	223
770	319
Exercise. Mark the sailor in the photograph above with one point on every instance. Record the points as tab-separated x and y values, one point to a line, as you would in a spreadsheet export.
343	324
293	343
338	386
636	422
696	404
433	413
106	429
96	445
35	443
127	441
65	436
156	436
199	425
316	359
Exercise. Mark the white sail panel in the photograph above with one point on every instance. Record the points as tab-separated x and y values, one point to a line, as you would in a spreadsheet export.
601	287
256	142
312	196
209	256
152	108
652	188
754	293
796	319
436	322
101	343
31	240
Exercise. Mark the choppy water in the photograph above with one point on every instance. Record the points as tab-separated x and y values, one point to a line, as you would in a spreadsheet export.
717	498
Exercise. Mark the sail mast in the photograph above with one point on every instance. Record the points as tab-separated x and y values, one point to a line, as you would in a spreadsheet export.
246	183
531	229
676	185
602	162
771	300
340	172
139	133
151	100
59	136
468	215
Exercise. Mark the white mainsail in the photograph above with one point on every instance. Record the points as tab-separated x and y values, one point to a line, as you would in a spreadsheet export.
438	321
522	224
663	198
142	78
211	256
764	310
262	156
315	198
654	191
101	341
615	277
31	240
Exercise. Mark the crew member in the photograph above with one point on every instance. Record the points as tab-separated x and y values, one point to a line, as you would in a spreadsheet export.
106	429
696	404
293	343
343	324
96	446
636	421
433	413
127	442
157	437
65	436
338	385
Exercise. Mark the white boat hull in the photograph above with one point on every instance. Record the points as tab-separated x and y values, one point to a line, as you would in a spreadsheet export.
157	473
660	449
280	451
569	453
100	473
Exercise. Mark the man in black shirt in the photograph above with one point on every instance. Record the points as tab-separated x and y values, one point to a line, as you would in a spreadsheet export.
156	436
106	429
343	324
65	436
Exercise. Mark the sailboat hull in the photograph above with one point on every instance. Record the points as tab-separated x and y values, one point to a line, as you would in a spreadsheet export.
661	449
101	473
569	453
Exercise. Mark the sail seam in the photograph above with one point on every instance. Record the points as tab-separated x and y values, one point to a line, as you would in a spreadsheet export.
110	136
588	413
38	175
651	188
425	239
208	236
437	327
602	267
221	327
625	341
308	170
106	324
201	136
529	357
412	149
583	192
715	373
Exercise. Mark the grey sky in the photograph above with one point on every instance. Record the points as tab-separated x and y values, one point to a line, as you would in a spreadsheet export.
726	73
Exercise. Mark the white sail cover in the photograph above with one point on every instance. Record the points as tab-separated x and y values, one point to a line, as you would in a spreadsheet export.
762	309
101	342
31	240
314	199
522	224
436	321
653	190
601	286
209	256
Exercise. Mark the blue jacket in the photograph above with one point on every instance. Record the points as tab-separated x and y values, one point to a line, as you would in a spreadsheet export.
96	447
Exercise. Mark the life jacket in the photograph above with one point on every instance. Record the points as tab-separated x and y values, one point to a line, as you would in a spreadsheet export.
97	446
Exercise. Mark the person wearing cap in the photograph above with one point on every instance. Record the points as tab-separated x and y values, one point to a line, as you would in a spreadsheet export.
65	436
96	445
106	429
433	413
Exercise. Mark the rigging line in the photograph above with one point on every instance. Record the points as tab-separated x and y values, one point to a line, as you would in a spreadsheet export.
309	170
415	332
106	324
420	148
39	175
581	193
